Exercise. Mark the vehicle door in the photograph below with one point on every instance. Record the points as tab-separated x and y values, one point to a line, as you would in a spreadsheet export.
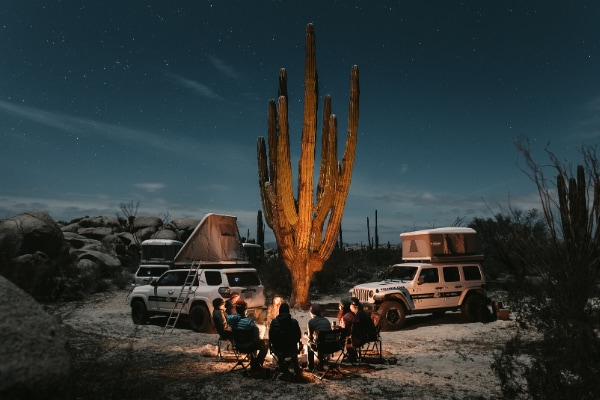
453	286
166	291
428	290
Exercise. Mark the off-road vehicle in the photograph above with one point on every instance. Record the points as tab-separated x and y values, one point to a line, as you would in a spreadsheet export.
210	264
442	273
212	281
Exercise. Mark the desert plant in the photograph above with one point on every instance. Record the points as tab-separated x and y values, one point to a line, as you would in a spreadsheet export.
561	359
298	224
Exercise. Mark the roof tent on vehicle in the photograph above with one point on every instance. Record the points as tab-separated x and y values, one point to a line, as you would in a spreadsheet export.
441	244
216	239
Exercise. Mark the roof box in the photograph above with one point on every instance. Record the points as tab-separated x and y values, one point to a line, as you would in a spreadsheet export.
441	245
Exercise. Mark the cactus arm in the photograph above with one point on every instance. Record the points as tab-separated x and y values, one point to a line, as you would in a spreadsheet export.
263	181
343	186
285	191
307	154
327	181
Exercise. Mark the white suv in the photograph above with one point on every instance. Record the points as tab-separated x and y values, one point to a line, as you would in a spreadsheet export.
159	297
448	278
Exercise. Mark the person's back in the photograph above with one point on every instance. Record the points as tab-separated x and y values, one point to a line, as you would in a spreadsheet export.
233	320
317	323
285	335
244	323
364	329
284	332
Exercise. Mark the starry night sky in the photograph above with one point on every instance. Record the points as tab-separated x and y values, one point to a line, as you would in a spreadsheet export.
161	102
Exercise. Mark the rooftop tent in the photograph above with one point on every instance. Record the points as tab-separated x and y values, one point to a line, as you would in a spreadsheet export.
215	239
441	244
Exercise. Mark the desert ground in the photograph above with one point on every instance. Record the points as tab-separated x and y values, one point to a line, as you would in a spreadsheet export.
431	358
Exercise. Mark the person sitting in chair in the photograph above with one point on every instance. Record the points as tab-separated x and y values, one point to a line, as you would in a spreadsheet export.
363	328
242	322
220	319
285	337
316	324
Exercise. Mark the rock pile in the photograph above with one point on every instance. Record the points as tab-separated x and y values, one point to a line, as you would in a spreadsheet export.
35	249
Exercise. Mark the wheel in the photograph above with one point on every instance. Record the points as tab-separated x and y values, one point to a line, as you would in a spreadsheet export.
393	315
199	319
474	308
139	312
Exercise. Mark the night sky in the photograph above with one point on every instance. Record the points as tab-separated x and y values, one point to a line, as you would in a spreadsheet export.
161	102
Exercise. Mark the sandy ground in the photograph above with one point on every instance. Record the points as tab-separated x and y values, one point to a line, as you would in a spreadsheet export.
431	358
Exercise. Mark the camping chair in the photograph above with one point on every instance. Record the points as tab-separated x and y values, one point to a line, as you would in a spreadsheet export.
368	342
224	336
326	344
286	357
244	347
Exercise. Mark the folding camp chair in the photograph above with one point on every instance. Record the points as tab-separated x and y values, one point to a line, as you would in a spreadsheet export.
325	346
244	347
371	344
286	362
224	337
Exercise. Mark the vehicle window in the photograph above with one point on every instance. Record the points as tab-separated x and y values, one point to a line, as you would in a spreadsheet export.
173	279
429	275
154	271
246	278
471	273
402	273
451	274
213	278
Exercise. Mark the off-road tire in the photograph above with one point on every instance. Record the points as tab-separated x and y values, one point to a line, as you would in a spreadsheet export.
393	315
139	312
199	318
474	308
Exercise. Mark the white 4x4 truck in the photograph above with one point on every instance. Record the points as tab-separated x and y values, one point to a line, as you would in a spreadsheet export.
211	264
441	271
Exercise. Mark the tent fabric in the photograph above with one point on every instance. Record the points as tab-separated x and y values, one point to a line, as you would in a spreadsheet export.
215	239
440	243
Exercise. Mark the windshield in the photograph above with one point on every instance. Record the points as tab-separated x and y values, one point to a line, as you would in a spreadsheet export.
403	273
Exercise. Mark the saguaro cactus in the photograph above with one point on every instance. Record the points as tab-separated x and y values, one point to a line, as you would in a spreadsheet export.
298	223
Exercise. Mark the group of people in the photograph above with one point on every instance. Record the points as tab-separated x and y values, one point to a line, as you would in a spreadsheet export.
284	331
351	319
231	314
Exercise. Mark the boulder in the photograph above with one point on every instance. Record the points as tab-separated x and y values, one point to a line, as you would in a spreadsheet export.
185	224
32	247
97	233
166	234
101	222
33	273
33	349
127	238
100	258
147	221
77	241
71	228
28	233
145	233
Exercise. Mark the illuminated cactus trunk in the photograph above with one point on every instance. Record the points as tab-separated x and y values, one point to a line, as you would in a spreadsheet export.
298	223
